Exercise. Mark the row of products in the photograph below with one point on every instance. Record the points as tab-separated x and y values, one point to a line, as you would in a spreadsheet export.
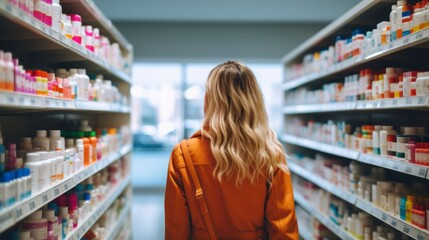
404	19
108	220
357	223
42	161
72	84
408	144
58	218
318	230
367	85
50	13
409	203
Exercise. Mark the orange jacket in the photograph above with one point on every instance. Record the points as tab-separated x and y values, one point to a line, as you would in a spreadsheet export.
249	211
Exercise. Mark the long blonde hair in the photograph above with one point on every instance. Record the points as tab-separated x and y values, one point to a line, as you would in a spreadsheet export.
236	123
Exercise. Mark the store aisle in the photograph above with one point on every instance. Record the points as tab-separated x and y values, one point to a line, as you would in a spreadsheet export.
149	172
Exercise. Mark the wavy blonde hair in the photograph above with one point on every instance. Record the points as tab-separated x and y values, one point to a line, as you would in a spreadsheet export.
236	122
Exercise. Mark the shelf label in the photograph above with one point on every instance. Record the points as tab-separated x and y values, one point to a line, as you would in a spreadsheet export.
56	192
408	169
408	101
422	236
66	187
45	198
406	229
10	99
421	100
406	41
419	35
18	213
31	205
384	217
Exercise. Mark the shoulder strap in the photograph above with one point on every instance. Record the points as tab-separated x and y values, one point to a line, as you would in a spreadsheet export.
198	190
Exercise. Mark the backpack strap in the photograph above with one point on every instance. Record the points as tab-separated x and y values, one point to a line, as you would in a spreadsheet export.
198	190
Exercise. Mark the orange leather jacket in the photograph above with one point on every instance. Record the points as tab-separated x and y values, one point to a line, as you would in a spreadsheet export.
249	211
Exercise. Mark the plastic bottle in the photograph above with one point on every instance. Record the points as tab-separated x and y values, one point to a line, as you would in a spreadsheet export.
67	90
417	19
56	15
11	160
60	161
71	161
2	192
66	163
398	18
73	208
41	141
37	12
97	42
422	84
19	193
9	70
63	214
83	83
76	22
37	225
89	38
48	12
2	71
54	168
86	203
33	163
80	153
54	137
73	77
45	169
87	152
53	226
28	182
83	35
392	23
66	26
2	154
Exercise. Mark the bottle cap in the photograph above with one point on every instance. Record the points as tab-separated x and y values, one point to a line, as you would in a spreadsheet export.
93	134
53	206
7	57
64	212
32	157
24	234
62	200
36	215
86	196
76	18
72	202
49	214
81	71
55	133
69	143
19	162
41	133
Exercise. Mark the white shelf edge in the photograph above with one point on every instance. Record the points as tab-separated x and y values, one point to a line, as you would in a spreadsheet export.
13	214
120	221
399	224
96	213
28	101
397	45
19	16
393	103
379	161
306	205
322	147
304	231
322	183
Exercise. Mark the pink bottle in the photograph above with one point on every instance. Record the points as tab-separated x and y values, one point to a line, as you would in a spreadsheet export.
73	208
89	39
48	12
76	27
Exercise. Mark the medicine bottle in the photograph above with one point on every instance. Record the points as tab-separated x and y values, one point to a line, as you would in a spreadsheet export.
36	225
41	141
33	163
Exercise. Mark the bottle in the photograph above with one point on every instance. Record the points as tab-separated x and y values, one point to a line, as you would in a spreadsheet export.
67	90
76	22
89	38
83	83
16	75
36	225
97	41
392	21
54	166
41	141
53	226
376	139
2	154
86	203
45	170
54	137
37	12
2	72
3	192
73	77
80	154
28	182
9	72
66	163
398	18
65	221
19	193
383	140
56	15
73	208
87	152
93	140
60	160
33	163
11	160
422	84
66	26
48	12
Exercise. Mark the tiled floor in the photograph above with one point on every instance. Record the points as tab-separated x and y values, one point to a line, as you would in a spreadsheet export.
149	172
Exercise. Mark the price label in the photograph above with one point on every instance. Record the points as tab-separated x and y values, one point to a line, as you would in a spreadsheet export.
383	104
391	46
395	166
406	41
419	35
384	217
66	187
395	102
64	104
408	169
32	205
47	102
18	213
406	229
422	172
394	223
10	99
408	101
44	198
32	102
56	191
421	100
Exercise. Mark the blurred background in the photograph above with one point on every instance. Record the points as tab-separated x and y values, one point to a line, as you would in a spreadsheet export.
176	44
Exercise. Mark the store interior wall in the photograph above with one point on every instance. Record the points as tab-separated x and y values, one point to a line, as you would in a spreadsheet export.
186	41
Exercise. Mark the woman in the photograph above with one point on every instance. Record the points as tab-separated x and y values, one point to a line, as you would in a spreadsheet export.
240	165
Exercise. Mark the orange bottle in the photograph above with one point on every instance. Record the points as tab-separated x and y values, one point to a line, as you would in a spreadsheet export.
87	152
93	140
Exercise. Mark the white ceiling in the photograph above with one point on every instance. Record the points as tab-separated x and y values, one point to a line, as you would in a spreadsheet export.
225	10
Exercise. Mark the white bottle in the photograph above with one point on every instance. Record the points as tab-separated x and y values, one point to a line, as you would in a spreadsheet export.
60	161
386	130
84	126
376	139
19	186
2	193
83	83
71	167
392	23
9	71
45	170
33	163
54	167
54	136
66	163
56	15
41	141
422	83
74	83
79	154
2	72
66	26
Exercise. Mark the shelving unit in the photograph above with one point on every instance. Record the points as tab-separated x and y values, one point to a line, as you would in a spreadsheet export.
113	232
39	46
406	110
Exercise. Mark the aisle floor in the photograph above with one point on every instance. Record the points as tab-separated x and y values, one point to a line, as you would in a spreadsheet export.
149	172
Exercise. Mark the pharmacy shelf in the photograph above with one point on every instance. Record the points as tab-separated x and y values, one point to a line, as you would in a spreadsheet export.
364	205
352	63
322	183
92	15
421	102
322	218
13	214
29	102
304	231
367	12
36	41
113	232
96	213
399	224
375	160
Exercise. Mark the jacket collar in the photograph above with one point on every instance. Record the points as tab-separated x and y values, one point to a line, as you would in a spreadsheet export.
196	134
